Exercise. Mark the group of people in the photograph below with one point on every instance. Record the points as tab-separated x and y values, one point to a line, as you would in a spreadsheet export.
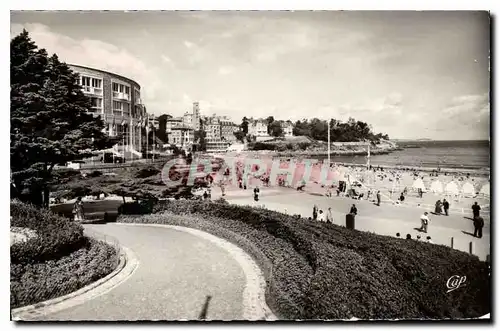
319	215
440	206
408	236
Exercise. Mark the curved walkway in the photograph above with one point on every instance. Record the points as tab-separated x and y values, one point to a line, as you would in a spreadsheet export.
384	220
181	276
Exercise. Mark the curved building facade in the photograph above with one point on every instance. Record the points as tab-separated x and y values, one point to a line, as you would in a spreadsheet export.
117	100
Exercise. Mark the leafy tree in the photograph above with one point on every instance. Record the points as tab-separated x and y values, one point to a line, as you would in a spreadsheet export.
240	136
269	121
200	137
275	129
50	122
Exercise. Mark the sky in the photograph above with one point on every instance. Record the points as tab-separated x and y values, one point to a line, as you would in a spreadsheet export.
409	74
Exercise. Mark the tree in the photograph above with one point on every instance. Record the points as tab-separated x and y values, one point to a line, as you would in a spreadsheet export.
200	140
161	133
269	121
244	125
50	119
275	129
240	136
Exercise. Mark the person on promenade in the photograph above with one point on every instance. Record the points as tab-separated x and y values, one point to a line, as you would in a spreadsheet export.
429	240
446	206
353	210
401	198
315	212
223	189
438	210
478	226
420	193
321	216
408	236
329	216
475	210
424	219
78	211
256	192
398	234
378	198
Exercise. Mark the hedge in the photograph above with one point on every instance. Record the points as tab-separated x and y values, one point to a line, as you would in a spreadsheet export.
56	236
34	283
324	271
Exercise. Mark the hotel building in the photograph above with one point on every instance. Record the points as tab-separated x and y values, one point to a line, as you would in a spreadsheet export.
117	100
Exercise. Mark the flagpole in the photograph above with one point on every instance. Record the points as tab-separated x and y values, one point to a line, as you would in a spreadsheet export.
328	144
147	137
154	142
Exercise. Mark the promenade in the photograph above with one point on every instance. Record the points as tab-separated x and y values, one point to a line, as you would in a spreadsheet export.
386	219
177	272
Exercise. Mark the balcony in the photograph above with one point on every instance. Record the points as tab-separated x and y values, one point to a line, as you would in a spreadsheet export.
121	96
92	90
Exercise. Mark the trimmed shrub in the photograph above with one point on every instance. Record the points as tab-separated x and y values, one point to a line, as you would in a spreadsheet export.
33	283
324	271
56	236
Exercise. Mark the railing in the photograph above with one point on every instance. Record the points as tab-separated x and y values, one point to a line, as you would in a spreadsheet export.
121	95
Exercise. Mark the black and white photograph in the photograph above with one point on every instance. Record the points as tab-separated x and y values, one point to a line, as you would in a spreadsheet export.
202	165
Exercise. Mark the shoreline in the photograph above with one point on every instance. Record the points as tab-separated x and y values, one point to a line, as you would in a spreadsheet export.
450	169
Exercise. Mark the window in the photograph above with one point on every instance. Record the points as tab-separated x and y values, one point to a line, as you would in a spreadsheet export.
85	81
127	90
117	105
96	102
115	87
97	83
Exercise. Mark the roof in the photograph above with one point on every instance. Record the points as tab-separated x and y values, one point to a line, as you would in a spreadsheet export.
106	72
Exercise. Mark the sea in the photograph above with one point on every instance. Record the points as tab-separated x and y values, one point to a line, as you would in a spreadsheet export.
462	154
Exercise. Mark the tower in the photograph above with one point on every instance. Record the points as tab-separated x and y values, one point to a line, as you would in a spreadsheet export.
196	115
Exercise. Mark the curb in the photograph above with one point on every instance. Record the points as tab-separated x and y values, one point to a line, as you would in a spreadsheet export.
254	301
126	267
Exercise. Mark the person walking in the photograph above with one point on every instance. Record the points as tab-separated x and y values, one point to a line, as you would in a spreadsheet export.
378	198
478	226
321	216
475	210
78	211
438	209
446	207
424	219
353	210
329	215
315	212
402	198
256	193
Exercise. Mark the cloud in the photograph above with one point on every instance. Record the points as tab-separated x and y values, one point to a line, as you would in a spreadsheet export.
97	54
225	70
189	44
167	60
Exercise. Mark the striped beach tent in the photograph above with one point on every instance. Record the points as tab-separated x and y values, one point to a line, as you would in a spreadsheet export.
468	190
418	184
437	186
485	190
452	188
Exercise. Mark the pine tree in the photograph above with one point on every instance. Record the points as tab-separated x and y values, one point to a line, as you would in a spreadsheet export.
50	123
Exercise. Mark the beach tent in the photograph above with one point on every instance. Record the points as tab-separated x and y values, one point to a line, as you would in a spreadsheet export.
418	183
437	187
485	190
451	188
468	190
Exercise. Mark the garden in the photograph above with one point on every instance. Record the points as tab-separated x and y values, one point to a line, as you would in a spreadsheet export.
56	260
322	271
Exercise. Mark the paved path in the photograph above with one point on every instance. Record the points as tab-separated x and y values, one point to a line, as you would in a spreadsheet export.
386	219
176	273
